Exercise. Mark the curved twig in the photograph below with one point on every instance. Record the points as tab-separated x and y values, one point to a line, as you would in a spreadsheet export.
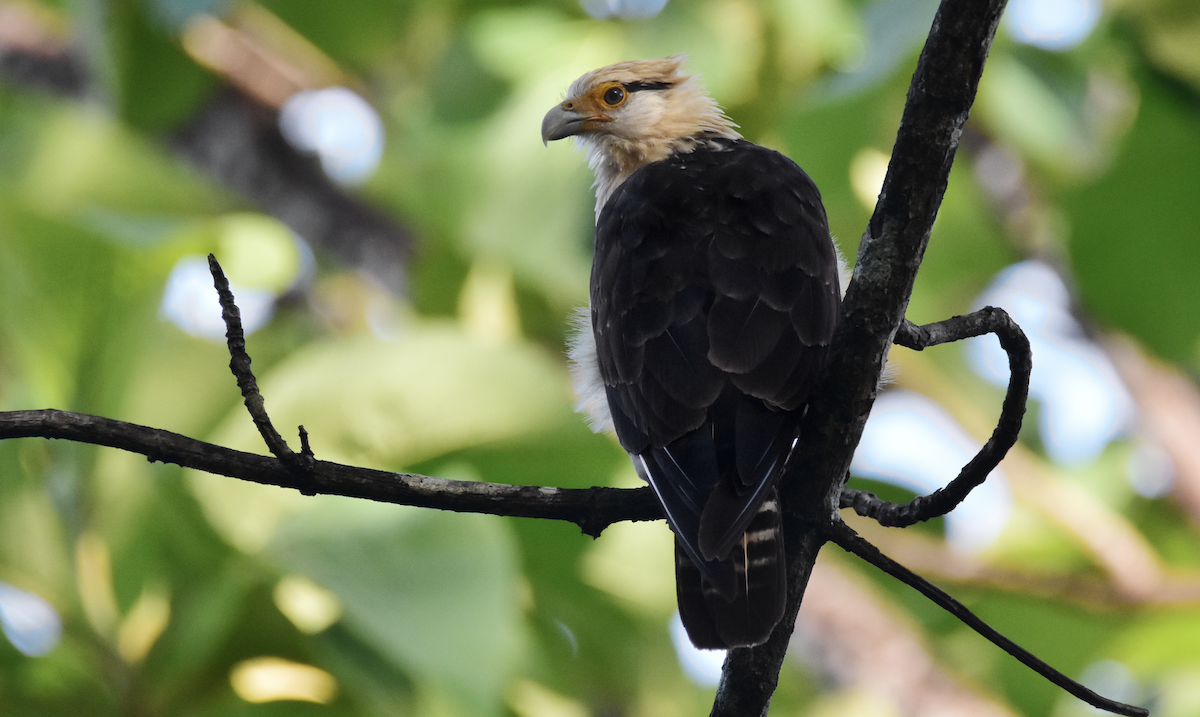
988	320
844	537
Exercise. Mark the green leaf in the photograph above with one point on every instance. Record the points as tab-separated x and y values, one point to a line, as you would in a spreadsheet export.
1133	240
433	591
157	85
384	404
433	389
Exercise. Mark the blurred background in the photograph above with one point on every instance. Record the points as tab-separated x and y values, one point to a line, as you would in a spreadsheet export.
407	254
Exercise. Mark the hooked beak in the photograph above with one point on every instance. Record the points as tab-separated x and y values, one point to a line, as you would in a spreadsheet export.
561	122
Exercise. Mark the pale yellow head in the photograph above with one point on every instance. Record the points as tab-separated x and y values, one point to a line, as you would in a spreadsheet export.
633	113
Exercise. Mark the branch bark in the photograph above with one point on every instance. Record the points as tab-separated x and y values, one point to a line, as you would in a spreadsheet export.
939	99
592	509
852	542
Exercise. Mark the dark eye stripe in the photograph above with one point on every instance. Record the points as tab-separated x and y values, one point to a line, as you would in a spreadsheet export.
639	86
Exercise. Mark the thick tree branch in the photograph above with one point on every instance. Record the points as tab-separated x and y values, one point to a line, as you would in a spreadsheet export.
592	509
1008	428
939	99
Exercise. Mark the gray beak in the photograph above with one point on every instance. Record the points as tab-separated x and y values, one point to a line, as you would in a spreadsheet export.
561	122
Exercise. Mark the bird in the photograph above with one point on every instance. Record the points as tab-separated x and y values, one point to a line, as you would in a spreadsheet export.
714	295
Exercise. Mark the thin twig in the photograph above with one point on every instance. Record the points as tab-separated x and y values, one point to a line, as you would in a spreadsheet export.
850	541
306	450
592	509
239	363
988	320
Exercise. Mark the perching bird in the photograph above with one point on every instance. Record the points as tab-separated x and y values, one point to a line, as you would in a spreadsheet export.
714	295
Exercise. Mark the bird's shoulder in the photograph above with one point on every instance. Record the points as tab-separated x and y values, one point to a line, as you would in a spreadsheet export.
711	267
745	198
715	169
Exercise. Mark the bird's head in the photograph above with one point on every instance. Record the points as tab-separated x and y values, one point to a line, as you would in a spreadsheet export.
634	113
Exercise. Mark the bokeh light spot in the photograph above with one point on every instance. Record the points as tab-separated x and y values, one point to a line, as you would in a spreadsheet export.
190	301
1085	404
310	607
29	623
867	172
258	250
702	667
1052	24
624	9
337	125
271	679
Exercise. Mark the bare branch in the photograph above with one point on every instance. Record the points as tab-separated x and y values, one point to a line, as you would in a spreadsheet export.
850	541
300	465
239	364
592	509
852	637
988	320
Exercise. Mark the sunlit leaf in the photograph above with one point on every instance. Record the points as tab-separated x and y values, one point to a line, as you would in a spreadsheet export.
436	592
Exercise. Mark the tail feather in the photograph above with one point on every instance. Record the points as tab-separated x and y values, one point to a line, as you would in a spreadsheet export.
713	622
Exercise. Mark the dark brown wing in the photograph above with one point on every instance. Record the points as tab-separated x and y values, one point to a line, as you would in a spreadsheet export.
714	296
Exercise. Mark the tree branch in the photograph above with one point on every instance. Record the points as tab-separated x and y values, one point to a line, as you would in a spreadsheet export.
939	99
592	509
850	541
988	320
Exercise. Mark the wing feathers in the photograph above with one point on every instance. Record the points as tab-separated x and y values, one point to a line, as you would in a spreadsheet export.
714	296
741	334
676	359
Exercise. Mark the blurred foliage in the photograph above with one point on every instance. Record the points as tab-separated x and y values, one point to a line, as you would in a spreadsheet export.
168	581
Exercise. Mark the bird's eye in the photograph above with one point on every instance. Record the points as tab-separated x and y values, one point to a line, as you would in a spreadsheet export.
614	96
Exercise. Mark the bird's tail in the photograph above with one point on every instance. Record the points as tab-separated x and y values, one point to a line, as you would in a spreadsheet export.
714	622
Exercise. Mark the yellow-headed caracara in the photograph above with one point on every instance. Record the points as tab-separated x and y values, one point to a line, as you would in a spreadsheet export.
714	295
